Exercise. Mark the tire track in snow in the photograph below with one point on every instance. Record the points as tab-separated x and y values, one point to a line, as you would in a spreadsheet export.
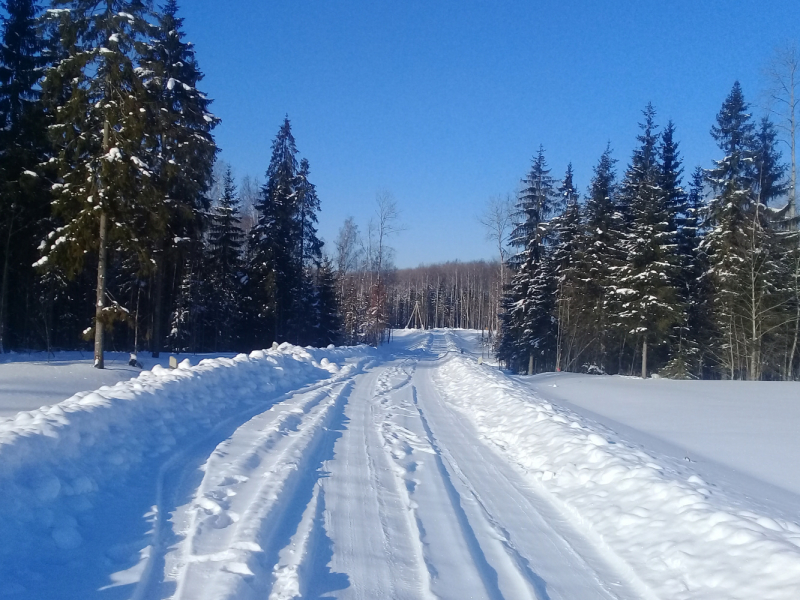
239	516
488	574
425	484
517	568
375	537
173	470
388	435
535	531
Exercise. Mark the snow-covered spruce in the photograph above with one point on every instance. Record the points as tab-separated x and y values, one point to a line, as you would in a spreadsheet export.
680	539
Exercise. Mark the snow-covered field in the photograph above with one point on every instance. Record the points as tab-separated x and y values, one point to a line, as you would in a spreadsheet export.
749	428
406	472
28	381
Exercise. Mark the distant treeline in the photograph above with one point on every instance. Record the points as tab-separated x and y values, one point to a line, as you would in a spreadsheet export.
452	294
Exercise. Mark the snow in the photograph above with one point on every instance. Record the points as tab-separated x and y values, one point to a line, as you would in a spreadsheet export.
407	472
113	154
682	537
31	380
748	427
57	462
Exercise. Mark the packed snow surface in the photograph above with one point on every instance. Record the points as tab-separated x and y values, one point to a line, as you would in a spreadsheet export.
406	472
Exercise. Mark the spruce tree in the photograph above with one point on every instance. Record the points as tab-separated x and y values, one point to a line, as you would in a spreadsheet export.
566	243
647	299
226	240
96	103
274	273
740	243
695	286
329	322
599	253
182	149
309	257
770	172
528	336
780	250
24	200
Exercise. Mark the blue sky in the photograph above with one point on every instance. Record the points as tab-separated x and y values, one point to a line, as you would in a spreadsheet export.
443	103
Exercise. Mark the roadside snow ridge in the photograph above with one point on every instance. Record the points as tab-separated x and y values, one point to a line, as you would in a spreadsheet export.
681	539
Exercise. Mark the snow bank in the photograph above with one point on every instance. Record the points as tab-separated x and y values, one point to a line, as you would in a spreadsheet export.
680	539
54	459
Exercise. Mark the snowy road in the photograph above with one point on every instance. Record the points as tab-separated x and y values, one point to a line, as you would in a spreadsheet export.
369	487
408	473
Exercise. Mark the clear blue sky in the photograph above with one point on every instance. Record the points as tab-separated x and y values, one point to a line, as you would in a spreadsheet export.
443	103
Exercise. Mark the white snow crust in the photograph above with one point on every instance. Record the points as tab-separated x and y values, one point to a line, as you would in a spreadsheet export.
681	538
407	472
55	461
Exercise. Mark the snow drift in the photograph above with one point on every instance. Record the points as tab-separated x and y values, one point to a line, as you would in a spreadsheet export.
660	523
55	459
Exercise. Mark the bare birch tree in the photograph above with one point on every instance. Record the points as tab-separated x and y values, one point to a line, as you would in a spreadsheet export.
783	94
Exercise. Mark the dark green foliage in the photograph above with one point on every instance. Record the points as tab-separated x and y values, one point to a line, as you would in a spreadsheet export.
646	304
599	253
225	268
180	143
528	334
24	199
329	321
743	250
274	273
97	128
285	254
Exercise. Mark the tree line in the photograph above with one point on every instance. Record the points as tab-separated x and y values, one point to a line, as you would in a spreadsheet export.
647	275
107	223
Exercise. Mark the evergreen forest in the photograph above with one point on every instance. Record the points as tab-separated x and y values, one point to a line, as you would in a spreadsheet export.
121	228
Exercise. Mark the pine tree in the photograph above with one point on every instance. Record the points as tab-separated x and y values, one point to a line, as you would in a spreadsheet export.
23	147
329	322
780	250
182	149
96	103
770	172
670	177
694	285
567	228
309	257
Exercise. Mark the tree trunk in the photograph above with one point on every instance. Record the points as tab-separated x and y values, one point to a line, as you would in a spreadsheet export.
790	368
4	289
644	358
790	371
530	364
793	145
99	362
158	301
